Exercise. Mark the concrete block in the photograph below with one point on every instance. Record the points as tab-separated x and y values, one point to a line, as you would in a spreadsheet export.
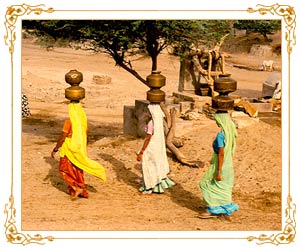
141	114
263	106
129	121
260	105
141	103
268	90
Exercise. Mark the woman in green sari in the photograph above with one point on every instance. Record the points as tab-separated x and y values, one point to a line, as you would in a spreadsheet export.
217	183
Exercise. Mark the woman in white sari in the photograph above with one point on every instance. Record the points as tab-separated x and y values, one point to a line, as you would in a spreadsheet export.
155	166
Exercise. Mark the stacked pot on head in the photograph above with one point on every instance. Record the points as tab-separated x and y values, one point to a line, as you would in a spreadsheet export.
74	93
224	85
155	81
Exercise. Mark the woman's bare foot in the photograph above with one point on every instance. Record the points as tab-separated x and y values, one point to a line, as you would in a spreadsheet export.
76	194
206	215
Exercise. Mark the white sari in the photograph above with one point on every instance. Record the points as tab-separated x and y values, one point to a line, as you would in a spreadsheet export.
155	164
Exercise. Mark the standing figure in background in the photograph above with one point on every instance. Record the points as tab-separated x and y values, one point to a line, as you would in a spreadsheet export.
217	183
25	107
153	155
73	152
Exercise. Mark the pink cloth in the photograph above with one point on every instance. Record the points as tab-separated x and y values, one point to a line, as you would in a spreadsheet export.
149	128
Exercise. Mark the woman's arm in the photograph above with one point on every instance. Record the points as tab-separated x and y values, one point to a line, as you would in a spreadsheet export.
145	145
59	143
220	163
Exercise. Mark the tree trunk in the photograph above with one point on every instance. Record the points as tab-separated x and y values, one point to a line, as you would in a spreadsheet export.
170	135
134	73
231	27
154	62
266	37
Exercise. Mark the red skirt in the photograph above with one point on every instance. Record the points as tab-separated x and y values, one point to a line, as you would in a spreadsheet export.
73	176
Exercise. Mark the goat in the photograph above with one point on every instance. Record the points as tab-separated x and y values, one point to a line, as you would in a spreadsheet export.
267	65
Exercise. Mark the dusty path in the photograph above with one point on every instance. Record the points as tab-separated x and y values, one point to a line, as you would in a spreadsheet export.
117	204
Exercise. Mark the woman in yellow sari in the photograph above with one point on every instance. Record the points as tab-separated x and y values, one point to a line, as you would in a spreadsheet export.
73	152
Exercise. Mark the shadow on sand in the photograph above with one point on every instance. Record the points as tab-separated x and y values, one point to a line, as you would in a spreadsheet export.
177	193
55	178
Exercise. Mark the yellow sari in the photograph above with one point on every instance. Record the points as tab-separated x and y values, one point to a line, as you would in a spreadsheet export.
75	148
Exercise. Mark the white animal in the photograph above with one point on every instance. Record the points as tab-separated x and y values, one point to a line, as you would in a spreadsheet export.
267	65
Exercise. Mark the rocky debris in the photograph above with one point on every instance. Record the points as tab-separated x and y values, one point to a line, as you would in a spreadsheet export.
101	79
261	50
209	111
248	107
244	121
85	45
251	105
276	104
191	115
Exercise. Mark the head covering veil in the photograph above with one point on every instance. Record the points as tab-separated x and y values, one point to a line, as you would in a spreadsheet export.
228	127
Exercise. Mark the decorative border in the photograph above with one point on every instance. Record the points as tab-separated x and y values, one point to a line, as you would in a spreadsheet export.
11	231
289	232
289	17
11	17
286	12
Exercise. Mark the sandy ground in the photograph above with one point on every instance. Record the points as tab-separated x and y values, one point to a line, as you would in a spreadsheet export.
116	204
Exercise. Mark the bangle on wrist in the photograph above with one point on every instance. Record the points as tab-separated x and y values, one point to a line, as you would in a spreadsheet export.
219	172
55	150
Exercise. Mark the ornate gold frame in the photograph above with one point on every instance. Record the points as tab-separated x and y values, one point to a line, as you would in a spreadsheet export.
287	236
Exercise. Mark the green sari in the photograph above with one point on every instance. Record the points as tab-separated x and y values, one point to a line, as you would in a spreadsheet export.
218	194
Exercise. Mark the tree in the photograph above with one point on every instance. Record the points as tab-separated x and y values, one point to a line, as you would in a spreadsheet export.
264	27
122	39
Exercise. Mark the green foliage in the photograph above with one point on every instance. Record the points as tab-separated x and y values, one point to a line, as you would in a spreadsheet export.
264	27
212	30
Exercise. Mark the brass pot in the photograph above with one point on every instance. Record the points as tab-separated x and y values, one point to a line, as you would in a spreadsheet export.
222	103
75	93
156	96
225	84
156	80
73	77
